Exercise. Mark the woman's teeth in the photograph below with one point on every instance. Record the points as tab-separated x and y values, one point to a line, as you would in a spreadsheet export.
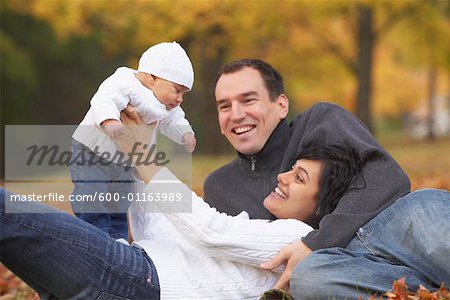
280	193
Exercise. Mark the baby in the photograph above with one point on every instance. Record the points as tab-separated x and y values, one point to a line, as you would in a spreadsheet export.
156	91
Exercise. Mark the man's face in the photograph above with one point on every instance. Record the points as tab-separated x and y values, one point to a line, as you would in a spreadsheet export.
247	116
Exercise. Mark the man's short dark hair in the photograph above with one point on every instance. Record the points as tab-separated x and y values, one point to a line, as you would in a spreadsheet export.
272	79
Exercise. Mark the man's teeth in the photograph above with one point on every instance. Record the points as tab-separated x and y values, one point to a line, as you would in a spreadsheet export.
243	129
280	193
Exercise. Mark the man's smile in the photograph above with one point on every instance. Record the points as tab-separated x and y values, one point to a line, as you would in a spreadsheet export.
243	129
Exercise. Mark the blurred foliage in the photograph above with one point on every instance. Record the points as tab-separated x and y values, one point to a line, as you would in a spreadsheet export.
54	54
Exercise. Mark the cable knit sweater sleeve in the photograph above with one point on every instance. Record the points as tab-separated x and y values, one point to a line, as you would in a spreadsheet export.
232	238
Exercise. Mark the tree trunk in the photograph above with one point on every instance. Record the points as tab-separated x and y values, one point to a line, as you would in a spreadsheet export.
200	105
365	61
432	81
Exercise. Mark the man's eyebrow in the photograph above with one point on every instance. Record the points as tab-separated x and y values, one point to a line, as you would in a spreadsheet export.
221	101
242	95
249	93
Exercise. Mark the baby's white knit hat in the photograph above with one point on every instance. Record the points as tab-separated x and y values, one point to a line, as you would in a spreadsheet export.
168	61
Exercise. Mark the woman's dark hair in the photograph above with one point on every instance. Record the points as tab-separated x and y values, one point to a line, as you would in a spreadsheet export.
272	79
341	167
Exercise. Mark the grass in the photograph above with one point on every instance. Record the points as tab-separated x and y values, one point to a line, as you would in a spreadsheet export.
426	163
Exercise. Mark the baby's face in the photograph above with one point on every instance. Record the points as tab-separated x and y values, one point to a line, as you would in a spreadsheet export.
168	93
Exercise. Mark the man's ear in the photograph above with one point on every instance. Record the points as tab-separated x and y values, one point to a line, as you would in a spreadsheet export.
283	106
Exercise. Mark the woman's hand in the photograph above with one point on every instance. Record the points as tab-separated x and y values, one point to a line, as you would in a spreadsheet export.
290	255
136	132
135	142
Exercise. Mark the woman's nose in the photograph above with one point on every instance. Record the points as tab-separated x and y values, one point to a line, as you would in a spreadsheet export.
283	177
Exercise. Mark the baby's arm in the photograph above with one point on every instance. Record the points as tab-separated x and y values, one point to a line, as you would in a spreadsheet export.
109	100
178	129
114	94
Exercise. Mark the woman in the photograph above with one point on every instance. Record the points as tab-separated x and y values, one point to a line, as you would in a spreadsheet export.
231	249
204	254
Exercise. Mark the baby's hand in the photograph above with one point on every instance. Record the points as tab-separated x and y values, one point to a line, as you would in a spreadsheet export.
113	128
189	142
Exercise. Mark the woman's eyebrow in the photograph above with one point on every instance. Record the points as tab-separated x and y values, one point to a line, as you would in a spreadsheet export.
304	170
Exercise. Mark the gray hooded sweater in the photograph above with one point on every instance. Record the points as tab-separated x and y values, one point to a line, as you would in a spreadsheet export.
243	184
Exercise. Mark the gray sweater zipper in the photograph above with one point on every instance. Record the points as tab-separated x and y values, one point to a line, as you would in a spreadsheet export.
253	161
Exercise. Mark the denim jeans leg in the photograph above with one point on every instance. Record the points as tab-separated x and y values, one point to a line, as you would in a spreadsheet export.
89	179
408	239
108	184
121	186
414	232
338	273
66	258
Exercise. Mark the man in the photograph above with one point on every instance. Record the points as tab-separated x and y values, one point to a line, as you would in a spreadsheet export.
252	108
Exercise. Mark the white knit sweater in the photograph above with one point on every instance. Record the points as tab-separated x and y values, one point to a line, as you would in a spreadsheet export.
206	254
113	96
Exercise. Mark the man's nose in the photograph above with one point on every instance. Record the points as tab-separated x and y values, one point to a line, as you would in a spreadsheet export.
237	111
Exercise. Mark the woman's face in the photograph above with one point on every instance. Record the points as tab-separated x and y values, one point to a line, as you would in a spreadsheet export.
295	197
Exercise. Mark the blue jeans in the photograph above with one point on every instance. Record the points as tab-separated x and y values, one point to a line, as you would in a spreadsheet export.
410	238
63	257
91	175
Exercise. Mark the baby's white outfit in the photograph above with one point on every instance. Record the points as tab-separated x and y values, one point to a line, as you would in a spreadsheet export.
113	96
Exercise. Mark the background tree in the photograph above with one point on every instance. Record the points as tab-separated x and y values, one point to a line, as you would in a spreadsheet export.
425	32
56	53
